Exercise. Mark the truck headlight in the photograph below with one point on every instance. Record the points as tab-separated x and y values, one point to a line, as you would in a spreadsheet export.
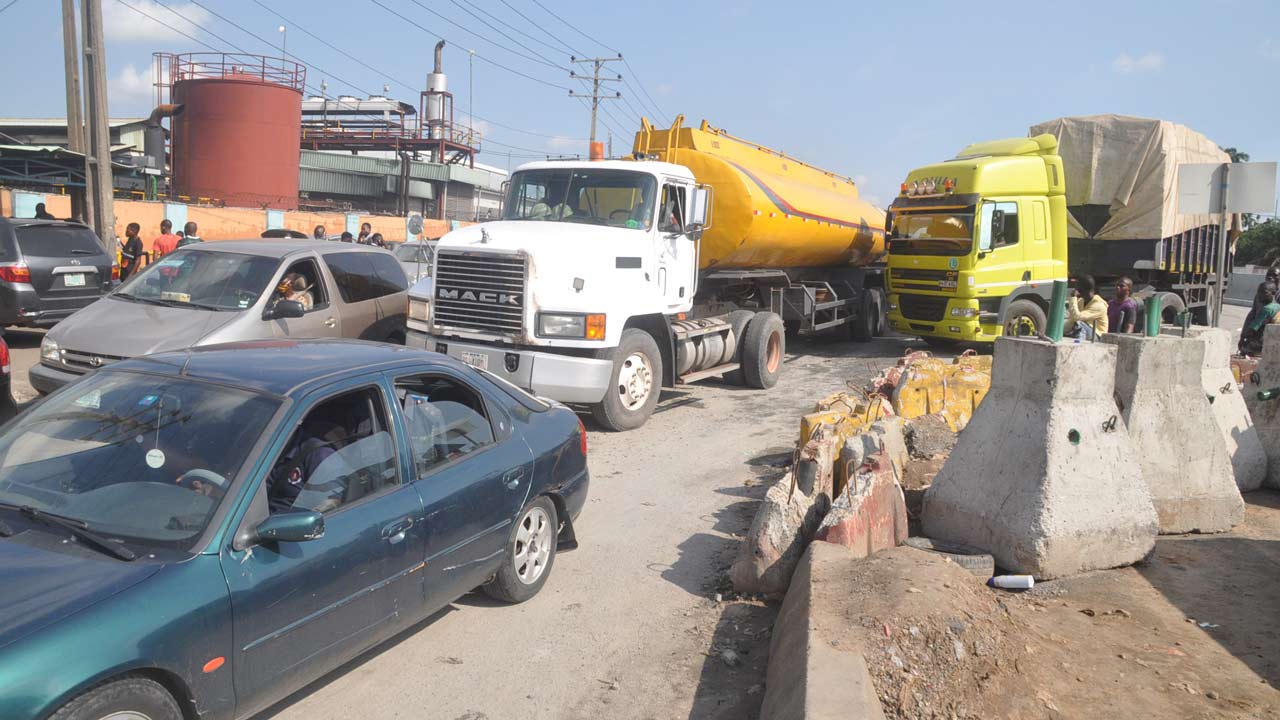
590	327
893	305
964	312
50	351
419	309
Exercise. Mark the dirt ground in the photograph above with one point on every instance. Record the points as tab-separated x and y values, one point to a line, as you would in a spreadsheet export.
1191	632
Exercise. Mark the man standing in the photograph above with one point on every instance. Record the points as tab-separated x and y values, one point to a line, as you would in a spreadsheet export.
42	214
365	231
1086	311
1122	312
131	253
319	233
346	237
166	243
189	235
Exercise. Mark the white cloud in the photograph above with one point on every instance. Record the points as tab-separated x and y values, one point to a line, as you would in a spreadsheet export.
121	23
131	83
1126	64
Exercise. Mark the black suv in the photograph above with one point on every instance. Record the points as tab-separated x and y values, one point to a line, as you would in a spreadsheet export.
50	269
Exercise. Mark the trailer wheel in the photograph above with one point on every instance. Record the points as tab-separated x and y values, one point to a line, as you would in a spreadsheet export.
866	326
1025	319
738	319
637	382
763	347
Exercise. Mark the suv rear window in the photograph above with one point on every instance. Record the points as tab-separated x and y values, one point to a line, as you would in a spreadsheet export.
365	275
58	241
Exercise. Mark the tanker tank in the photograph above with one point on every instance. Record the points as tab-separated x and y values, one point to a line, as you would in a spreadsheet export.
769	210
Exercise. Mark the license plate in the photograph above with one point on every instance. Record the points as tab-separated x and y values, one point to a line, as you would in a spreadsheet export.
476	360
73	280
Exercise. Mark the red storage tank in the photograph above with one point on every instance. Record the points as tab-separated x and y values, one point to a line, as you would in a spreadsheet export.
237	131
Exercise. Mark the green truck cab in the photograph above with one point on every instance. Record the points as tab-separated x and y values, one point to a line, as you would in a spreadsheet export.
976	242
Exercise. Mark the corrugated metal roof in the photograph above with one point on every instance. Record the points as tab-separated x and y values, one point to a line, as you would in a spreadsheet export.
338	183
61	122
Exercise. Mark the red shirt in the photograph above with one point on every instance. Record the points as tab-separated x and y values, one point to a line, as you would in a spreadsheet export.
163	245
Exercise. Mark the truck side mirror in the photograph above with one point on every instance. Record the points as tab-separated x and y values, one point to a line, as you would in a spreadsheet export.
700	209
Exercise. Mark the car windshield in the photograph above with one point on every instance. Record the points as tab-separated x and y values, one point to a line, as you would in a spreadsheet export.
931	233
413	253
203	279
617	198
139	457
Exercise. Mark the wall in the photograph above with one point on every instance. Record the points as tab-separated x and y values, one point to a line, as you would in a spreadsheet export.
232	223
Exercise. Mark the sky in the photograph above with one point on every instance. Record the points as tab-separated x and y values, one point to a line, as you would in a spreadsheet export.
865	89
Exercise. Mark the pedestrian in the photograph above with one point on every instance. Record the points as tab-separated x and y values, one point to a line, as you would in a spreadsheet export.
1086	311
320	233
131	252
166	242
365	231
190	235
346	236
1122	312
42	214
1254	330
375	240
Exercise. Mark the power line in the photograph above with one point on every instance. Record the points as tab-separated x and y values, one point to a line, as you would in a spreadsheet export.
192	24
534	23
165	24
9	5
486	23
656	108
506	24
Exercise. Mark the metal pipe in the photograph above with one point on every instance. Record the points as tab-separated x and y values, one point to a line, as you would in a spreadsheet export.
1153	307
439	56
1057	310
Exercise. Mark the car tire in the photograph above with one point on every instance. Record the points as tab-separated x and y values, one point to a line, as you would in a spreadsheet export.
635	383
764	347
139	695
866	326
396	338
738	319
530	554
1026	319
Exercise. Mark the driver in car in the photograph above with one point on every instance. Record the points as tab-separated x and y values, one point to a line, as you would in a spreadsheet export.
300	471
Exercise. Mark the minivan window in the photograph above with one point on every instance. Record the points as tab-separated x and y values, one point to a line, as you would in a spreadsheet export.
365	275
57	241
201	279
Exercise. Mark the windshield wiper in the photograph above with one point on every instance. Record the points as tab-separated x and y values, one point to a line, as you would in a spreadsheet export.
84	252
77	527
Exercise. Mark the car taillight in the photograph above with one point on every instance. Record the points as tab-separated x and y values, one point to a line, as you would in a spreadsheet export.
582	429
15	272
4	358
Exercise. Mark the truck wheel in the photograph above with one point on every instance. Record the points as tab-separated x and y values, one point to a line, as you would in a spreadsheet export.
1025	319
763	346
1170	306
866	325
637	381
738	319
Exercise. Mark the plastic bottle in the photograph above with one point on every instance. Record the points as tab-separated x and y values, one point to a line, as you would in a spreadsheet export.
1012	582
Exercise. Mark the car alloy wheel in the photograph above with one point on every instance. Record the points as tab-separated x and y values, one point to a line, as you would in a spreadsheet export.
533	542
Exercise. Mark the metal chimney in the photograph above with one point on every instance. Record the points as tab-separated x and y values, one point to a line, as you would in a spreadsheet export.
437	85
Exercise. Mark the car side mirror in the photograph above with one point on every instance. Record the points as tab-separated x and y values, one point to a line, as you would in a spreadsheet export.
290	527
286	309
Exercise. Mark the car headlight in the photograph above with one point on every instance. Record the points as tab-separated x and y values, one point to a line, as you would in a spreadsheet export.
419	309
964	312
590	327
50	351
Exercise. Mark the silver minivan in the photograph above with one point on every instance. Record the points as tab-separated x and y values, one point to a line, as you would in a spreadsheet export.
216	292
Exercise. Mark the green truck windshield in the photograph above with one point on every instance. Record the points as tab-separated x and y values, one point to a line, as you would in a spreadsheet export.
931	233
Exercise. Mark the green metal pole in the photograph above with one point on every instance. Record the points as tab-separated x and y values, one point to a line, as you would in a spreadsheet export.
1153	315
1057	310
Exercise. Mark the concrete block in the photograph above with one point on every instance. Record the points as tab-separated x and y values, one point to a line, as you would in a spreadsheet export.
1266	413
891	432
1248	459
808	678
1044	477
871	514
1187	469
782	528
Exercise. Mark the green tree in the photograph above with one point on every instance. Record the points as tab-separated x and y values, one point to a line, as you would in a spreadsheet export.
1236	155
1260	244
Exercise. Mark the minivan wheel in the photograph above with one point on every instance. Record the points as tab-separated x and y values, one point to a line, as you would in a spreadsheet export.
531	552
127	698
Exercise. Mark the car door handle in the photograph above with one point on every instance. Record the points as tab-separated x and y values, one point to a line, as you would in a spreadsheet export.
396	531
330	322
512	478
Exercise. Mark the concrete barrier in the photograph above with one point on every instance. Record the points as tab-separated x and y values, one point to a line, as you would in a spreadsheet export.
1266	413
808	678
1248	459
870	514
782	528
1187	469
1044	477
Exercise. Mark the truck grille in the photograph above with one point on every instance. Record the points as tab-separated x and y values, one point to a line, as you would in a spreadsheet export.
930	308
914	274
479	292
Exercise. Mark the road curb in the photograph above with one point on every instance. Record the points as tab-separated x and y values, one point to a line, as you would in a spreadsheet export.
809	678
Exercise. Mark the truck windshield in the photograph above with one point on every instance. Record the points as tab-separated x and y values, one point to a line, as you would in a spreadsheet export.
616	198
931	233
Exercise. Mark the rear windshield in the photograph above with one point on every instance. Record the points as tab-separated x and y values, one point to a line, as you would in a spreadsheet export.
58	241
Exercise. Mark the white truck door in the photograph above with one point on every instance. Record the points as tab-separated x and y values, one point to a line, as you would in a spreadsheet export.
677	254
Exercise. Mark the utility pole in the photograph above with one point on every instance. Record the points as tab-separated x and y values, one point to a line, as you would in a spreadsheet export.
596	97
98	156
80	211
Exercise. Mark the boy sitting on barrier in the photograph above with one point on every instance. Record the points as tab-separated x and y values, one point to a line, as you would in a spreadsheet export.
1086	311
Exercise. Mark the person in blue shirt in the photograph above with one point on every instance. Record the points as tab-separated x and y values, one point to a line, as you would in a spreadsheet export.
1267	309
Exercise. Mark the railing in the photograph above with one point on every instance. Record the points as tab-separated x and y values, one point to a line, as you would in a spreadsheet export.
234	66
